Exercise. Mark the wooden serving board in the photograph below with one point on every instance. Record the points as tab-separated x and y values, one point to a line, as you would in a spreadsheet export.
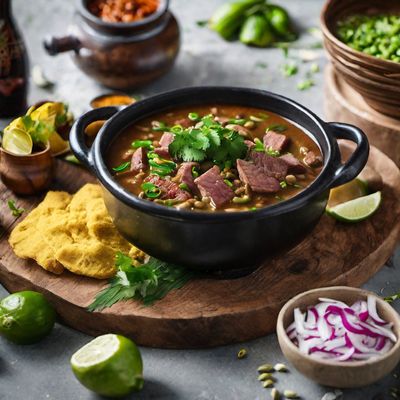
343	104
209	312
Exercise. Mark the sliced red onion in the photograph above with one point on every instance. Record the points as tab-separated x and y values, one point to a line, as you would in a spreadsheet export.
333	330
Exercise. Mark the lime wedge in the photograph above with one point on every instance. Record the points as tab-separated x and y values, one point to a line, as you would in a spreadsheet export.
357	209
349	191
17	141
110	365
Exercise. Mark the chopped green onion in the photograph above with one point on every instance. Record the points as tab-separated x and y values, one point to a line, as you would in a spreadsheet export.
228	182
162	167
259	145
273	153
151	190
305	85
283	184
122	167
195	174
289	69
277	128
184	186
253	209
263	115
193	116
176	129
161	126
240	121
147	144
296	185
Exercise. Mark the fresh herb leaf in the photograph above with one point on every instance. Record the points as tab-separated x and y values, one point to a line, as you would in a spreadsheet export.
392	298
305	85
147	283
151	190
147	144
260	64
122	167
290	69
277	128
202	23
15	211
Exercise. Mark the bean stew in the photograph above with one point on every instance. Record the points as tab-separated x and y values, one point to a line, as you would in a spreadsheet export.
215	158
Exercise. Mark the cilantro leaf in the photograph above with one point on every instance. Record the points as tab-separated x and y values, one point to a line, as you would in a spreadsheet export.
147	283
15	211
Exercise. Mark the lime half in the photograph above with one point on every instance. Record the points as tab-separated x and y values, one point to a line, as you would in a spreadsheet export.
349	191
110	365
357	209
17	141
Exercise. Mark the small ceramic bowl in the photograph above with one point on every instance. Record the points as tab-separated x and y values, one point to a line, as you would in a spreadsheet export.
27	175
348	374
377	80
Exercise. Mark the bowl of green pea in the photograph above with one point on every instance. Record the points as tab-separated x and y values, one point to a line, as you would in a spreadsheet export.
362	39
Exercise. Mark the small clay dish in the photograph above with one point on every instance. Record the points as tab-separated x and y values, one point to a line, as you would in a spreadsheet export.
347	374
27	174
112	99
377	80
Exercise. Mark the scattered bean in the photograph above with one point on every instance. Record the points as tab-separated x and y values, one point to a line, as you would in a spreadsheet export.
199	204
249	124
275	395
280	367
303	150
240	190
265	368
290	394
264	376
290	179
141	195
268	383
255	119
205	199
242	353
241	200
184	205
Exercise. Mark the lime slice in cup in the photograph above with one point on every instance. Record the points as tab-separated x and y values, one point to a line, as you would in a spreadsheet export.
356	210
17	141
110	365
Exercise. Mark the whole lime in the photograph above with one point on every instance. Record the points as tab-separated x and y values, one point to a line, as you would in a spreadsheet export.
26	317
110	365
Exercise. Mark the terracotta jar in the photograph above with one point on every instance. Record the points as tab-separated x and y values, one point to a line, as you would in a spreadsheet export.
117	54
27	175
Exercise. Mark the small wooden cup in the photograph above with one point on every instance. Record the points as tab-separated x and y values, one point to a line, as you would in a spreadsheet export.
27	175
347	374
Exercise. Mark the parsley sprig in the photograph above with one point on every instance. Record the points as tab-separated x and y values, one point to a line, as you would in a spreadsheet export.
15	211
147	283
208	141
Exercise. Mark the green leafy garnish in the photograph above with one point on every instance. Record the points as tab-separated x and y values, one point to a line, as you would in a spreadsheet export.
277	128
290	69
147	283
211	142
147	144
392	298
40	131
15	211
151	190
159	126
193	116
283	184
271	152
195	174
122	167
184	186
202	23
305	85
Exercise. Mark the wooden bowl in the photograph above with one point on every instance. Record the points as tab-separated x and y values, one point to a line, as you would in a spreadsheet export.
375	79
348	374
27	175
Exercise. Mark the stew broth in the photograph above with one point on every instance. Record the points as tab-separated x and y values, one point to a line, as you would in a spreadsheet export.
142	154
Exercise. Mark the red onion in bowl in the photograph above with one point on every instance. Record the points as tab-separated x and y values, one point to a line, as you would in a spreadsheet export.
335	331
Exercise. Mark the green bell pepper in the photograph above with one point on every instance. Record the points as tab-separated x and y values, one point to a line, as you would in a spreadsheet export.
256	31
228	18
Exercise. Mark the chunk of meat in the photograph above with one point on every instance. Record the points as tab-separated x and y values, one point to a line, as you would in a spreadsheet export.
312	160
241	130
294	165
256	178
271	166
139	160
185	176
212	185
166	139
169	189
275	141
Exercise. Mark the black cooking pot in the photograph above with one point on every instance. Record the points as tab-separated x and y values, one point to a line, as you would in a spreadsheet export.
218	241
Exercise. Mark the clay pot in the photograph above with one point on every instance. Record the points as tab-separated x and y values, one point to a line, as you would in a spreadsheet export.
27	175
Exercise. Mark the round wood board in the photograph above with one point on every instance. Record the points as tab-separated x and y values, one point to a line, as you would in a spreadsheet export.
343	104
209	312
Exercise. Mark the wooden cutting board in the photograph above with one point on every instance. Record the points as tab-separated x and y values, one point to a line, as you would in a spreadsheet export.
209	312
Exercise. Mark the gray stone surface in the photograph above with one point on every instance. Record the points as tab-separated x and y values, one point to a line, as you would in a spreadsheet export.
42	371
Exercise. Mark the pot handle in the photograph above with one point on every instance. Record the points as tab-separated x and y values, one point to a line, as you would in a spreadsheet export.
350	170
77	135
56	45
